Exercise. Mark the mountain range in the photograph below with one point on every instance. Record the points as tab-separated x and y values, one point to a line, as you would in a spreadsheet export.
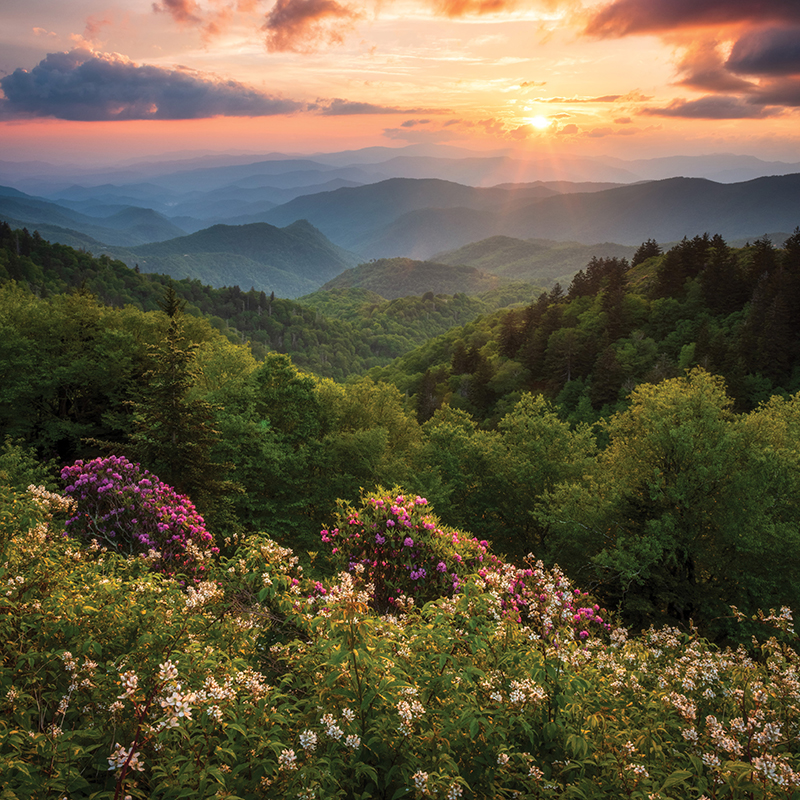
415	203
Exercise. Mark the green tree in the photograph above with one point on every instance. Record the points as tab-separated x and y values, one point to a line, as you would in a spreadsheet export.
666	522
174	433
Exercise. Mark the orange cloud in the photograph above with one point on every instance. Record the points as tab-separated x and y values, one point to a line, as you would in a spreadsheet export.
93	27
625	17
301	25
186	12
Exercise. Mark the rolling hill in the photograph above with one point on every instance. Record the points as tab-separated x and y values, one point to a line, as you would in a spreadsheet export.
401	277
542	261
289	261
126	226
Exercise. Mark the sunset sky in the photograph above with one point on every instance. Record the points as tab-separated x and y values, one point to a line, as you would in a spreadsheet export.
112	79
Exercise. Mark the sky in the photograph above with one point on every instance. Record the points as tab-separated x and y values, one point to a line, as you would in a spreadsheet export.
107	80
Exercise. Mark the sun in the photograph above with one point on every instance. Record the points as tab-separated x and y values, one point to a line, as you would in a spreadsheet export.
539	122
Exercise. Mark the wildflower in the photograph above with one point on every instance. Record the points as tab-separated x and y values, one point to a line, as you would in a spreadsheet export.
353	742
167	671
130	683
121	756
308	740
287	760
502	759
420	779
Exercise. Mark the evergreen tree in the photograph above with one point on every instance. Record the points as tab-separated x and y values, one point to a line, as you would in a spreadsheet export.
174	433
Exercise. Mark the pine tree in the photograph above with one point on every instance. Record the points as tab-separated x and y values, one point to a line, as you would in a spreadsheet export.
174	433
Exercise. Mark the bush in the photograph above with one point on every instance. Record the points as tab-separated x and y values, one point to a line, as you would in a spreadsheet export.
396	551
128	509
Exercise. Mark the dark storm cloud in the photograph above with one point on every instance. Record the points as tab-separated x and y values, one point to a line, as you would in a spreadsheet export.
770	51
624	17
713	107
81	85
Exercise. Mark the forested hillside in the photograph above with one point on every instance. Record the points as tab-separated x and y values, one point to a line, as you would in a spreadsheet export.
377	332
734	312
567	479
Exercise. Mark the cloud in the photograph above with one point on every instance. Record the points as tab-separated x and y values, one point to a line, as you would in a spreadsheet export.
186	12
625	17
713	107
568	130
769	51
412	123
406	135
337	107
606	98
784	92
599	133
93	28
82	85
212	22
721	43
463	8
623	121
301	25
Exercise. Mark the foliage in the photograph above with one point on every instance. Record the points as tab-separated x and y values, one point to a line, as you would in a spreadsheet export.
683	514
702	303
325	333
115	682
120	506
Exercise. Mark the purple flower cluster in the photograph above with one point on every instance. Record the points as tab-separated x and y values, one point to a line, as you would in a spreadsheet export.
393	544
130	510
416	558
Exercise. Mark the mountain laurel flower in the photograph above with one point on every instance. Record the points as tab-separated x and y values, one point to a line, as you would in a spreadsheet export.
287	760
308	740
120	756
130	683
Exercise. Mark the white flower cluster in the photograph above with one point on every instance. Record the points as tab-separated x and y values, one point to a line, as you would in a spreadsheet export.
120	756
287	759
420	779
308	740
454	792
50	501
130	683
177	705
332	729
408	713
526	691
777	771
205	593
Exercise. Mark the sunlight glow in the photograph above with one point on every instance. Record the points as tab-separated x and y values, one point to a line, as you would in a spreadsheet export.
539	122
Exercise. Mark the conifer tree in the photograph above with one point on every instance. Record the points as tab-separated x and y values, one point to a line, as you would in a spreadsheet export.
174	433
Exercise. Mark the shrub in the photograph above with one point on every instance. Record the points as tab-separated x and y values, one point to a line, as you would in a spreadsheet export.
395	550
129	510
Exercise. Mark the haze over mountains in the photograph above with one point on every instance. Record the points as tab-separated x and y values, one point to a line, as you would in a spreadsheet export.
237	218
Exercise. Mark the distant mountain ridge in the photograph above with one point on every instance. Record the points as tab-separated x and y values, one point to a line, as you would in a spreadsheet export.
289	261
127	226
421	217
